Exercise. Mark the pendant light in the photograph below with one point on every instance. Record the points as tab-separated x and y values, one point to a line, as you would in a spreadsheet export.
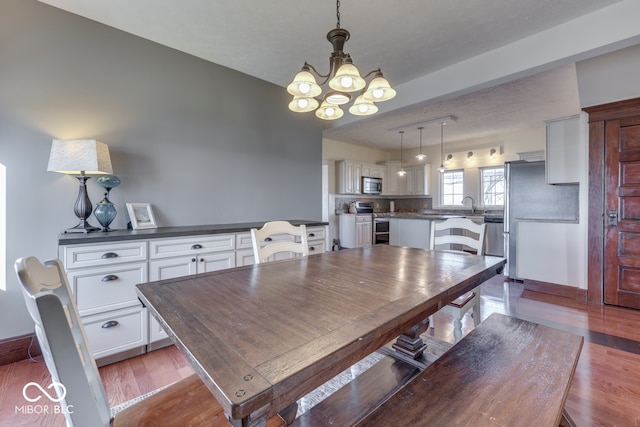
442	168
401	172
421	156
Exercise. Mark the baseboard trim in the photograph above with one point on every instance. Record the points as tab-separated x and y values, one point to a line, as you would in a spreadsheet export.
16	349
572	292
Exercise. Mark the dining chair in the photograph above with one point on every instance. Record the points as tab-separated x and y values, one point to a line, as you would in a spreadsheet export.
276	237
74	373
468	237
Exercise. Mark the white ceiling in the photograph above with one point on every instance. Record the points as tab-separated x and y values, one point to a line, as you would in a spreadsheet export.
407	39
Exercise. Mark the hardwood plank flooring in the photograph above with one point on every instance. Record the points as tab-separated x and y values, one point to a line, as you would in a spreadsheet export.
605	390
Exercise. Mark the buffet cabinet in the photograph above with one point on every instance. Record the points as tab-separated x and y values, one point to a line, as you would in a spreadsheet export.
103	276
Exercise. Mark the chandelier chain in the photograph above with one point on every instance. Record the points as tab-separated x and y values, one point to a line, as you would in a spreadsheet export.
338	13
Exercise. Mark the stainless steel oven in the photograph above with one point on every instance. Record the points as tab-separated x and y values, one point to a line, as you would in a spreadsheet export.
381	231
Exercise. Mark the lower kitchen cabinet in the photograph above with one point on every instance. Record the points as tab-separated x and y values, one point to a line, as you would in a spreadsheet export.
117	331
356	230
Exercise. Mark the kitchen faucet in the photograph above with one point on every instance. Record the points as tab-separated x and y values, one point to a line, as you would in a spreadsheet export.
473	204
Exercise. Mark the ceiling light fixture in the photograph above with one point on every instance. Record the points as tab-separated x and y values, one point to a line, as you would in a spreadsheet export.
401	172
469	156
421	156
343	78
442	168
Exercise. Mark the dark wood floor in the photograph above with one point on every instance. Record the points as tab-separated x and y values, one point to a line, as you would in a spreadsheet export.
605	389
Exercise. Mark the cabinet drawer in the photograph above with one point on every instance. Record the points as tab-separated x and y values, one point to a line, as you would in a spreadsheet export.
315	233
317	247
103	289
116	331
156	332
243	241
104	254
162	248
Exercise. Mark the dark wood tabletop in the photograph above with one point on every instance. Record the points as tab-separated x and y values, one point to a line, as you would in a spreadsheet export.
263	336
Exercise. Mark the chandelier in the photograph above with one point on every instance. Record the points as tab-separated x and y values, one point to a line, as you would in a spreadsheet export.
343	78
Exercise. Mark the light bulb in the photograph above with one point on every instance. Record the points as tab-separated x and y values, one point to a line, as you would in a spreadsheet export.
303	103
362	108
304	88
330	111
377	94
346	81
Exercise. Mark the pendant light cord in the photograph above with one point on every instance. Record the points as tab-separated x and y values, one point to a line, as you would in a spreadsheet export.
441	144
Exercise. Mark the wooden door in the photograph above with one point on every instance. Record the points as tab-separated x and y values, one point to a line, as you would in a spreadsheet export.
622	212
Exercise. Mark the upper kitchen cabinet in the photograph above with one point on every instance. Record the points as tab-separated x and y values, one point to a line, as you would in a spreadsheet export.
414	183
566	138
349	175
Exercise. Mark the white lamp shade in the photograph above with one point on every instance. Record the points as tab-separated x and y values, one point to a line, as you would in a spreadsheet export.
79	155
347	79
301	104
304	85
379	90
363	107
329	111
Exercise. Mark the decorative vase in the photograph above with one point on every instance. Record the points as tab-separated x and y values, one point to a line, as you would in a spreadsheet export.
105	212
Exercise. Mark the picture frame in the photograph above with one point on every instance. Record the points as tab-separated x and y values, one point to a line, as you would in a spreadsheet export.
141	216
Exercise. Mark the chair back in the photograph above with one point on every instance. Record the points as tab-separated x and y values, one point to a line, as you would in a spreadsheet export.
452	231
63	342
266	240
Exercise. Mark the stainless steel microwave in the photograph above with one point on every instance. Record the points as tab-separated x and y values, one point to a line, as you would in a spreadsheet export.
371	185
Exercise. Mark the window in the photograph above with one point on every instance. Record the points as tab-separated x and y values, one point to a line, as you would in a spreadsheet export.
452	187
492	186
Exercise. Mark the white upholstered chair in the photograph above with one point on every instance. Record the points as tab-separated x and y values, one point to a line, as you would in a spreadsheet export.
276	237
74	372
468	237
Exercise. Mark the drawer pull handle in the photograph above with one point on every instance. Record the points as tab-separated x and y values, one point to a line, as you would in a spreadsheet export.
201	259
109	255
268	239
196	246
193	260
110	324
110	278
311	248
312	234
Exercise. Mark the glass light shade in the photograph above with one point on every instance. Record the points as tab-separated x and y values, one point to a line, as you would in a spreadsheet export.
347	79
401	172
337	98
301	104
363	107
304	85
379	90
329	111
421	156
442	168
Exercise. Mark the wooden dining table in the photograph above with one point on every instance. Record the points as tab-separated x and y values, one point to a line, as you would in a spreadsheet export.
263	336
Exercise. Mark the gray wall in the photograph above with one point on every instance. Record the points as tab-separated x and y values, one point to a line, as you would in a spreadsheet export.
202	143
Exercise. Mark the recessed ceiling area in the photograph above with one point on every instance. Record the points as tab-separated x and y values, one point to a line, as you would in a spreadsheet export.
408	40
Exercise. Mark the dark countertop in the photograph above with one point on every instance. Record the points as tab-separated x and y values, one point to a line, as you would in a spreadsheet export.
161	232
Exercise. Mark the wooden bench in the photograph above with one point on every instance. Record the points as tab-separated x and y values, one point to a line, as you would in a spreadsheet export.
506	372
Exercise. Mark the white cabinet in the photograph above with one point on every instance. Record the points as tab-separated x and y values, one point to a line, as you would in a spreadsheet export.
412	233
103	278
349	176
316	240
392	183
356	230
176	257
417	180
566	139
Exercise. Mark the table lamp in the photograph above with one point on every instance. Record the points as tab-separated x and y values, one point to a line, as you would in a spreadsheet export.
80	157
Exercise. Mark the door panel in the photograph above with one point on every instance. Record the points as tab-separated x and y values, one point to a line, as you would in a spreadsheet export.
622	213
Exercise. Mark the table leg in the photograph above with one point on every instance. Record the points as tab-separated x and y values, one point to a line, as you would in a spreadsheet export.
289	414
256	419
410	343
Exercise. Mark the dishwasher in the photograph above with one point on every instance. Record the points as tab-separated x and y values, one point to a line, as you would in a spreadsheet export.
494	240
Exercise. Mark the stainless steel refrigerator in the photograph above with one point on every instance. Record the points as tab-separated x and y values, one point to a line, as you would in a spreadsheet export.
529	198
